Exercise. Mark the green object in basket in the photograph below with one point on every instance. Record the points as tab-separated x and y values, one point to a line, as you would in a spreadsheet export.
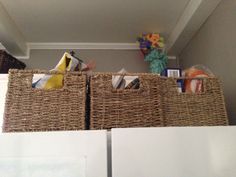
157	60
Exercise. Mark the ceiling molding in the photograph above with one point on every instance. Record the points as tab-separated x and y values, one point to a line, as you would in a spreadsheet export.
80	46
84	46
10	36
193	17
2	47
26	56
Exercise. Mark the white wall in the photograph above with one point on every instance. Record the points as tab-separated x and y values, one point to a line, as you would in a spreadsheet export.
215	46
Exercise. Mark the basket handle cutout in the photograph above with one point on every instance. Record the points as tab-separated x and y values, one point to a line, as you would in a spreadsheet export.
48	81
190	85
69	80
126	83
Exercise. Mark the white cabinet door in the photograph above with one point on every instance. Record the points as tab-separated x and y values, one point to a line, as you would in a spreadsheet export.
174	152
3	90
49	154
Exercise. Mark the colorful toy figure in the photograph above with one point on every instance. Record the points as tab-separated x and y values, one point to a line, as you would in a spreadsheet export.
156	40
150	41
151	46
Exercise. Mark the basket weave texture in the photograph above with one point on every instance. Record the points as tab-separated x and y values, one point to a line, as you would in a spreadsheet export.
114	108
156	103
194	109
9	62
30	109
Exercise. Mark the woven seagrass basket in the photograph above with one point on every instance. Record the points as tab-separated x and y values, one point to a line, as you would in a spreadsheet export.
156	103
114	108
9	62
30	109
206	108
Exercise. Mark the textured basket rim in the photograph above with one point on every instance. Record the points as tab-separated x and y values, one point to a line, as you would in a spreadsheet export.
39	71
148	74
94	74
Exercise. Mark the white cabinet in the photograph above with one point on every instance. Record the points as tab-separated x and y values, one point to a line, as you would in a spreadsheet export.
136	152
3	90
174	152
72	154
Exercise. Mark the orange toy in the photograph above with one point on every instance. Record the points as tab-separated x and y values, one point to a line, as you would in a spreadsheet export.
154	39
194	85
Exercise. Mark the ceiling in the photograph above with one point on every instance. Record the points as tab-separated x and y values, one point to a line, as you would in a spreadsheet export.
98	24
93	20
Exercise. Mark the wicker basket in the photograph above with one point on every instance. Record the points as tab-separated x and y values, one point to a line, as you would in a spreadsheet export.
156	103
113	108
30	109
7	62
188	109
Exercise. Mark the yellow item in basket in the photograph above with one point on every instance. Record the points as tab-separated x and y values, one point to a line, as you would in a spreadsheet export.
56	80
